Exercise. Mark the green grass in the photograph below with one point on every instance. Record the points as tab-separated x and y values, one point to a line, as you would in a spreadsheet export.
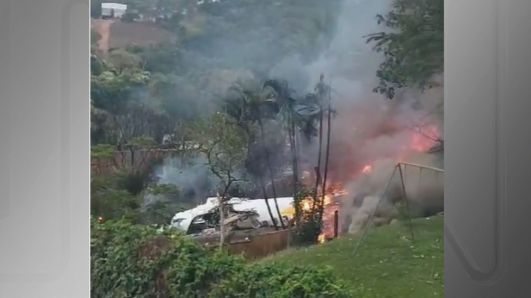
387	263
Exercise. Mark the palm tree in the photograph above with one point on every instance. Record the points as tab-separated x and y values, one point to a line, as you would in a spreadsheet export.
302	113
298	114
270	170
250	105
286	102
320	90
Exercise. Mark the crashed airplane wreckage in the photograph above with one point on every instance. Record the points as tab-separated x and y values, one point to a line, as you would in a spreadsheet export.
242	214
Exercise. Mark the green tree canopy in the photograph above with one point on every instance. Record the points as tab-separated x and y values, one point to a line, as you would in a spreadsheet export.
413	45
225	146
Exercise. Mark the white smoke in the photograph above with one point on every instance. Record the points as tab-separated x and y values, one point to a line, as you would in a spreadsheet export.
367	129
190	174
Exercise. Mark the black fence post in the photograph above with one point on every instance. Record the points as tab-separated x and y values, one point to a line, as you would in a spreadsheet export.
336	223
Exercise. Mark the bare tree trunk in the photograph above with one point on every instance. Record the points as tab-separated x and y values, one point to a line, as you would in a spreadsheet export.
275	197
132	151
264	192
221	220
319	89
293	145
318	169
270	169
329	128
221	200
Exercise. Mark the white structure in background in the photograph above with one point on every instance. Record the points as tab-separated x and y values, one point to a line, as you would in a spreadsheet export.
182	220
113	10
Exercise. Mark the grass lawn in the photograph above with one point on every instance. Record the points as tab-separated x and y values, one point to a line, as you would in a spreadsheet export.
387	264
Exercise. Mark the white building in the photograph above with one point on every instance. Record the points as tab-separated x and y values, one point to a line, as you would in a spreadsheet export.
113	10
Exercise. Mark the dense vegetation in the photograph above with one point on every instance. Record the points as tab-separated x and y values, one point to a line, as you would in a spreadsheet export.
210	90
139	261
144	93
133	261
413	47
174	83
141	94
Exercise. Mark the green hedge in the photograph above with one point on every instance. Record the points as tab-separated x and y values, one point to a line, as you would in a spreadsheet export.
139	261
280	280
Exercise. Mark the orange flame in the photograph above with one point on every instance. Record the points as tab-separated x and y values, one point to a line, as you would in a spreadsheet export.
334	192
367	169
306	205
330	206
420	140
424	138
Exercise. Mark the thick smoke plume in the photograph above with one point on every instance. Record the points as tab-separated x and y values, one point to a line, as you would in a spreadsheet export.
370	133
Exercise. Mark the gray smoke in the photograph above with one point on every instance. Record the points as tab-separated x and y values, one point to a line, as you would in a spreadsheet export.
369	129
190	174
424	192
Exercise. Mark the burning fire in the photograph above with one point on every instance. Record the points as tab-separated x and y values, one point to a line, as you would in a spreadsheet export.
424	138
306	205
330	206
334	192
419	141
367	169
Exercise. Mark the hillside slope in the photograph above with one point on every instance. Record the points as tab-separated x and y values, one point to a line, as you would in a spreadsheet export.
387	263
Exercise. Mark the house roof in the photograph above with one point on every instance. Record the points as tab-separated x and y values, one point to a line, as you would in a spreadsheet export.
111	5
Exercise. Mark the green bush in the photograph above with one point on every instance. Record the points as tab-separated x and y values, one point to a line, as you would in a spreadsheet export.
112	202
102	151
308	230
160	213
132	181
139	261
280	280
308	224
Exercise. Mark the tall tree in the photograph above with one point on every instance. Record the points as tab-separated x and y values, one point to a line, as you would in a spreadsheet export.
412	46
286	101
224	145
321	92
249	103
327	152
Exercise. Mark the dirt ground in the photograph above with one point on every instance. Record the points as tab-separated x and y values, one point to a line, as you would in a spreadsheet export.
118	34
103	27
